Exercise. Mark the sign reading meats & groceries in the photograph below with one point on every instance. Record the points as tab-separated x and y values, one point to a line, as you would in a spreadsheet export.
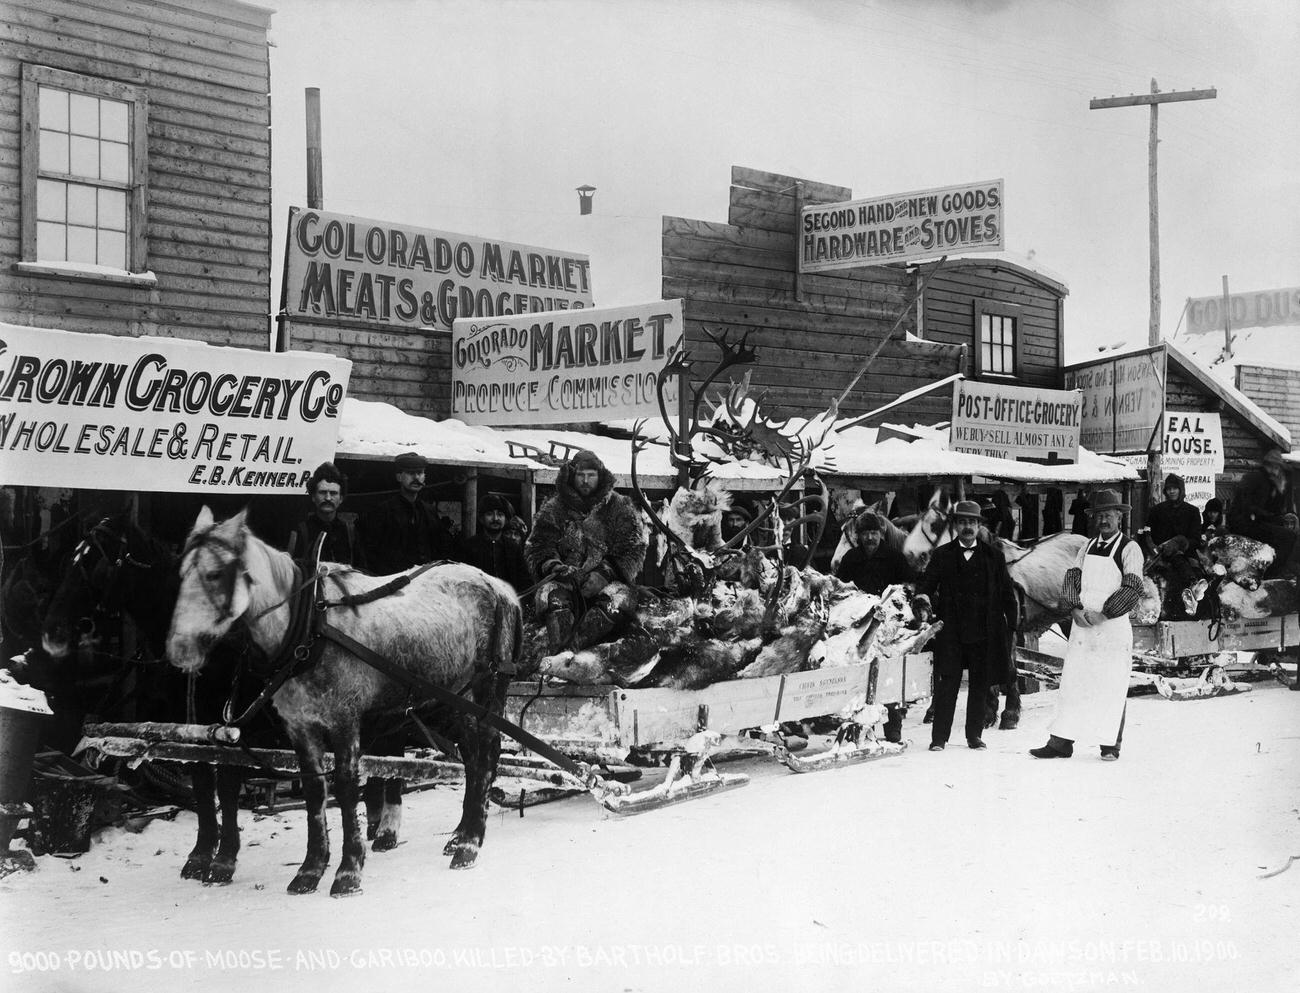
901	227
358	271
163	414
1015	422
564	367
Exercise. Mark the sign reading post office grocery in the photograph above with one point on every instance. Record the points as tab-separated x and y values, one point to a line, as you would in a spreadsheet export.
357	271
1015	422
163	414
901	227
562	367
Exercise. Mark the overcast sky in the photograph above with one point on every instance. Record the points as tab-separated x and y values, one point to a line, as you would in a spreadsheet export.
482	117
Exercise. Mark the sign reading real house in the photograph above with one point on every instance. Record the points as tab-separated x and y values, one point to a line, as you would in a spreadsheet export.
1123	400
1015	422
1193	448
901	227
163	414
341	268
561	367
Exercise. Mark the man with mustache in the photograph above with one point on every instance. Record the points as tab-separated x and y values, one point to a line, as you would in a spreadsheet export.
327	488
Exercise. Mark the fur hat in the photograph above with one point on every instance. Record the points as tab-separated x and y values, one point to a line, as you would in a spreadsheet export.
495	501
586	459
1107	500
1173	479
866	521
410	462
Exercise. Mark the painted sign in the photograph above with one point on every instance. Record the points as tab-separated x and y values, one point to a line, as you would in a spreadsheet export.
901	227
354	270
1123	399
1257	309
563	367
163	414
1015	422
1193	448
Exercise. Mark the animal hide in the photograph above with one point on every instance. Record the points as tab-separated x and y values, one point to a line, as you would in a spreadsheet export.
1271	598
1242	560
695	516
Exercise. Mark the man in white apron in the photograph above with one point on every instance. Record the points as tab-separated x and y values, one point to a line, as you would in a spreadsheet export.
1103	586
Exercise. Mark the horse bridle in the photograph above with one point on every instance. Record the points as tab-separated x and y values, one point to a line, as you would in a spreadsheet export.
231	569
107	598
933	540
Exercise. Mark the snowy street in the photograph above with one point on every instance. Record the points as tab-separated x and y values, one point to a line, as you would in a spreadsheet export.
956	870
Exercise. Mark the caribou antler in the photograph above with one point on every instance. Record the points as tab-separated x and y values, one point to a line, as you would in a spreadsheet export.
679	361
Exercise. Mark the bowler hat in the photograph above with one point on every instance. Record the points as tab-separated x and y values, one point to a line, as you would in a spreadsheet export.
967	508
1107	500
410	462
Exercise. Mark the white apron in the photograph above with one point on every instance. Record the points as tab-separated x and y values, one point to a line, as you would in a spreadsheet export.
1098	660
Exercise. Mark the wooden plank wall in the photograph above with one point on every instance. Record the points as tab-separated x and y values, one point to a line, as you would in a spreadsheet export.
949	315
205	65
1277	391
410	369
740	275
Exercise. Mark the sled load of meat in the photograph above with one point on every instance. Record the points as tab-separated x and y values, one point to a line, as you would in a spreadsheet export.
1224	579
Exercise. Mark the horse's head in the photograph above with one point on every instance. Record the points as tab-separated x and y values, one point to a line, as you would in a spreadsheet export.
215	588
932	529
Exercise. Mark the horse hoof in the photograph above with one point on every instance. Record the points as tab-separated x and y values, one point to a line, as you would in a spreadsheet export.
465	857
349	885
385	841
219	875
453	846
194	869
304	884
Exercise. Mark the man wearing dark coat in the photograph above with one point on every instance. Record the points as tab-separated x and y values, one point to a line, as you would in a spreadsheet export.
1258	508
327	489
491	549
587	546
1174	515
405	531
871	564
967	586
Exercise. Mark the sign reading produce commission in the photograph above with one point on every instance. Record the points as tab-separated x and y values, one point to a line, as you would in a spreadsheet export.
555	368
163	414
901	227
340	268
1015	422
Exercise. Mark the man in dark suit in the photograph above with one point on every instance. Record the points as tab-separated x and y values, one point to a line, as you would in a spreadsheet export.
966	585
490	549
405	531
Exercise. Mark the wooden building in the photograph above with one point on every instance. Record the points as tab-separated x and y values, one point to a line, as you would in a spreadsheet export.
981	316
135	168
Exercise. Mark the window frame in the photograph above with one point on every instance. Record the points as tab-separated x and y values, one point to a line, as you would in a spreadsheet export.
137	189
996	308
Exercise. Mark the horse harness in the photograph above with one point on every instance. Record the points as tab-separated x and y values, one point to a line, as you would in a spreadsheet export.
309	630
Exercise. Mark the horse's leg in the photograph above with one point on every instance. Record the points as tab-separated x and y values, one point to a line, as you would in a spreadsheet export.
347	791
480	750
373	792
310	747
229	782
390	814
203	785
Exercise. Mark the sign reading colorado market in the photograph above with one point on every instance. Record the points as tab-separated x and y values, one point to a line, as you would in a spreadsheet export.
163	414
901	227
1193	448
1123	400
342	268
1257	309
1015	422
555	368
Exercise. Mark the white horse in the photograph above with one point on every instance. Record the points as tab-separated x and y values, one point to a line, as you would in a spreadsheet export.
450	625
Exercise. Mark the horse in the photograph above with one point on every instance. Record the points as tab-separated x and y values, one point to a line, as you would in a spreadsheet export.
449	624
119	569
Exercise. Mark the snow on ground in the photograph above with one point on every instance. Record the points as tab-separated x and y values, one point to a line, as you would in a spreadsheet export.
957	870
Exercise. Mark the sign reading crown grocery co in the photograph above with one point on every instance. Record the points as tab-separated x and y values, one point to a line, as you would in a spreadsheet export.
1015	422
163	414
350	269
901	227
597	365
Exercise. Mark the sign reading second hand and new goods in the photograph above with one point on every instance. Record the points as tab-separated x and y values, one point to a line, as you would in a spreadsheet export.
163	414
1015	422
354	270
566	366
901	227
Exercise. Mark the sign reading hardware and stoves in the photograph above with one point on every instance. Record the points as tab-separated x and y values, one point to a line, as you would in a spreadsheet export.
163	414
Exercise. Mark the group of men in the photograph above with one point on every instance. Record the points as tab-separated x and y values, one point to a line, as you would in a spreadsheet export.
586	547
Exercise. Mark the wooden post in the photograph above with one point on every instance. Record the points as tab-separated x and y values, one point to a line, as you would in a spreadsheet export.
528	499
315	165
469	504
1227	320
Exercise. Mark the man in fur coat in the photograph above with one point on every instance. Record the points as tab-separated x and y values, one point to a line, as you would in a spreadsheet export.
967	586
587	546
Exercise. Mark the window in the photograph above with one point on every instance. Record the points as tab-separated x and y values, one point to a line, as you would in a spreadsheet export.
84	170
997	330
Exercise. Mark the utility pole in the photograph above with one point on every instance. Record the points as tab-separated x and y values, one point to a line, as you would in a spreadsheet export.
1153	99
